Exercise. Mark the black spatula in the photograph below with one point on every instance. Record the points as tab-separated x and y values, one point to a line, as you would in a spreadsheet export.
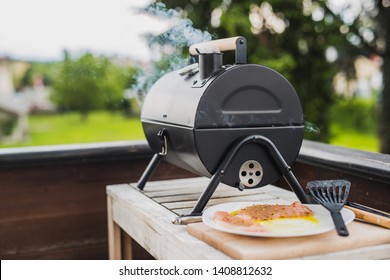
332	194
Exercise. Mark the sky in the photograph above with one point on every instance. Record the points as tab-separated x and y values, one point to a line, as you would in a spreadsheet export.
42	29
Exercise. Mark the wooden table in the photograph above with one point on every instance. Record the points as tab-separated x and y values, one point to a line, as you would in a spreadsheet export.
146	216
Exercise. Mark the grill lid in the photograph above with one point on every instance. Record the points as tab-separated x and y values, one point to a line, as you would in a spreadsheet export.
248	96
212	95
244	95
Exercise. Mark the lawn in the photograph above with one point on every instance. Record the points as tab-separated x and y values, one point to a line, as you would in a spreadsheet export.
354	139
354	123
69	128
104	126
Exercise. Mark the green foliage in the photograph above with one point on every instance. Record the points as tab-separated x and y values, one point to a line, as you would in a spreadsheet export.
356	114
90	83
117	79
7	124
350	138
79	84
44	70
354	123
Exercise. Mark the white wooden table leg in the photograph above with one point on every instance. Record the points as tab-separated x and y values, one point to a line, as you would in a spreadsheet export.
114	234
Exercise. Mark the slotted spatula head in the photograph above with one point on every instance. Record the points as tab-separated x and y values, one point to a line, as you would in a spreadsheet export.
332	194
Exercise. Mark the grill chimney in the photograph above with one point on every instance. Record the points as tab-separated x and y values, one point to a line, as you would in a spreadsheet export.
209	63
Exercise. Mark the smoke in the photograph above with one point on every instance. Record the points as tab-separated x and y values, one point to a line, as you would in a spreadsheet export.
311	128
171	46
182	33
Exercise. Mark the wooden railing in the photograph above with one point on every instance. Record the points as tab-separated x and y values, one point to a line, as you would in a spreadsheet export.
53	199
369	173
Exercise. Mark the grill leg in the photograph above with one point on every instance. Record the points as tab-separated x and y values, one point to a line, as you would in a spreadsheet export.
207	193
162	135
149	170
217	177
275	154
283	166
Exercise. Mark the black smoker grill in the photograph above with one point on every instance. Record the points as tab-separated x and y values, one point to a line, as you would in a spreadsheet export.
239	124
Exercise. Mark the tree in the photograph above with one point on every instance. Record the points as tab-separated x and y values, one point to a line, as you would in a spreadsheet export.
366	26
45	70
384	23
89	83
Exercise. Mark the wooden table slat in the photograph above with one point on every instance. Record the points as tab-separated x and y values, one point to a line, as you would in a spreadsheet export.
214	201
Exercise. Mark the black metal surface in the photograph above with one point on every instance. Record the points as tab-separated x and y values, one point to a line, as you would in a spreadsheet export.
209	63
239	96
73	153
241	50
332	194
247	96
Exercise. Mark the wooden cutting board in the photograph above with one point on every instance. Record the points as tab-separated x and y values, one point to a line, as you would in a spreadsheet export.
246	247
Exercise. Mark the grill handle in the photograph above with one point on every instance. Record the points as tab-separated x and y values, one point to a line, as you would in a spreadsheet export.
228	44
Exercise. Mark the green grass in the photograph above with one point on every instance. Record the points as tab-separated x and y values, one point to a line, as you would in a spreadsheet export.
354	123
104	126
344	137
69	129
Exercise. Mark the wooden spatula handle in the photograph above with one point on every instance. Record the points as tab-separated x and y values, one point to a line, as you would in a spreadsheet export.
370	217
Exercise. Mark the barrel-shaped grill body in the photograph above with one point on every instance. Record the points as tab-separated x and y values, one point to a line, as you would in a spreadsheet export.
205	118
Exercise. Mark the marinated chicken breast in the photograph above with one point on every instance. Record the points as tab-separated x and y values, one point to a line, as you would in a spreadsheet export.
243	222
275	211
249	218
